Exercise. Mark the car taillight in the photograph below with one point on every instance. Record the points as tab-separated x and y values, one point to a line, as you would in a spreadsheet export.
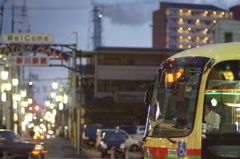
36	152
44	151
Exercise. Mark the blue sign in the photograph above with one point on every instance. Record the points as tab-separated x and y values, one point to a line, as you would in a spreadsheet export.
14	49
182	147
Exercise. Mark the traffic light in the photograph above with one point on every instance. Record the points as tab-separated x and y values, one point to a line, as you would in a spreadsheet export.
36	108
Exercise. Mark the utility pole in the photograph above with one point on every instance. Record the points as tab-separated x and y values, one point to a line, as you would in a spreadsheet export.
79	150
13	18
74	99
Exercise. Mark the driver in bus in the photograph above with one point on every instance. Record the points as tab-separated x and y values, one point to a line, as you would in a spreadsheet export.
211	118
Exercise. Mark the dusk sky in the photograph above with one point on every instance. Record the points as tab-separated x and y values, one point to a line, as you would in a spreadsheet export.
125	23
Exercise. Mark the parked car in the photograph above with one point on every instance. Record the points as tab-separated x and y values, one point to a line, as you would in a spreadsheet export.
89	133
133	144
113	140
136	132
12	145
128	128
139	132
101	132
140	129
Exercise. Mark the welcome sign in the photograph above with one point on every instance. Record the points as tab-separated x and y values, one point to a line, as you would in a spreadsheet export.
21	48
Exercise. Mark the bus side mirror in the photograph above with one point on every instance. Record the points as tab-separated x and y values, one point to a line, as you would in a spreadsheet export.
179	92
148	95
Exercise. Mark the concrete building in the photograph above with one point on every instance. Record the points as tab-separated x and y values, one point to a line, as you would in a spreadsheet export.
179	25
112	82
236	12
226	30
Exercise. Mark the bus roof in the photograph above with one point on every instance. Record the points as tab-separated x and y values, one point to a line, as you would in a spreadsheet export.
219	52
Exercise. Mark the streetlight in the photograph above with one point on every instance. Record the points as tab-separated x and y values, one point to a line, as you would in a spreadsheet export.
23	93
55	85
15	82
53	94
4	75
47	103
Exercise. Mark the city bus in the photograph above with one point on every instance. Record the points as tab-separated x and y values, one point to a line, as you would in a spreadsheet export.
186	85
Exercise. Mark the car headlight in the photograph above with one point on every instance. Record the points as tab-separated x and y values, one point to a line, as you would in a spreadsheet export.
104	146
122	146
86	137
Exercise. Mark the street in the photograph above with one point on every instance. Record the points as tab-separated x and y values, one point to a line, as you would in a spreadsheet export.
60	148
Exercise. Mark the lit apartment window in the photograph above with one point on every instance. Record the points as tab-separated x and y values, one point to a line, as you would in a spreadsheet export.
180	21
180	12
197	39
205	31
180	30
228	37
167	12
180	38
198	22
205	40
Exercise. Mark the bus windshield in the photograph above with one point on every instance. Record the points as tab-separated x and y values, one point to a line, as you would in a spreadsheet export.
168	117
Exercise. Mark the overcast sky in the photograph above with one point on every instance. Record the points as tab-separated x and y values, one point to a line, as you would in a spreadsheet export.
125	23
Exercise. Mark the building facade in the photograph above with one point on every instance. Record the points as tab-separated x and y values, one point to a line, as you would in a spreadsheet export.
226	30
113	82
179	25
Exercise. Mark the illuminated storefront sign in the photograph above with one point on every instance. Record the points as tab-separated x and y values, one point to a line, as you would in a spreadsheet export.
28	60
14	49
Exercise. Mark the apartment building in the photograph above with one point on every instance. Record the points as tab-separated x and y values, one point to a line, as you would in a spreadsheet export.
179	25
113	83
226	30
